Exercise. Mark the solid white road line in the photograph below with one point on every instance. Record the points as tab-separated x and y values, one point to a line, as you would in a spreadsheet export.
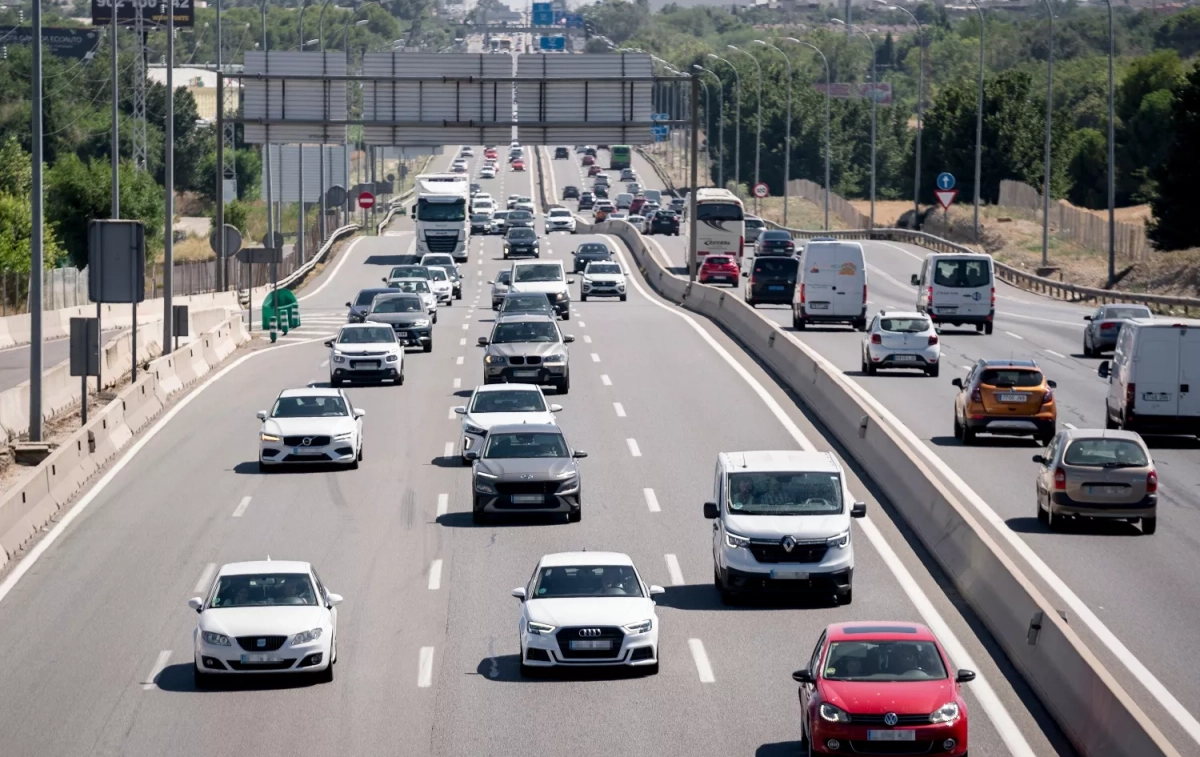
449	449
159	663
435	575
604	379
703	668
633	447
240	510
595	358
206	577
337	269
458	383
458	360
1015	336
651	500
620	409
673	570
425	668
443	504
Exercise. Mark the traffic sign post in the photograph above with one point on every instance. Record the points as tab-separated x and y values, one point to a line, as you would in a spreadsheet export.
945	181
946	198
761	190
366	201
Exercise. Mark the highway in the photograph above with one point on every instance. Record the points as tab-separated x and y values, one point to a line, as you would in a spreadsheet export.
14	362
1125	579
656	394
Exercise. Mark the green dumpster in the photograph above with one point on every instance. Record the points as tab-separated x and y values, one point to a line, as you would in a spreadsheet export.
281	303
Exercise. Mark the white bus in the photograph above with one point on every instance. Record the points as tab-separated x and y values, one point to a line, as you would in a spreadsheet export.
441	214
720	224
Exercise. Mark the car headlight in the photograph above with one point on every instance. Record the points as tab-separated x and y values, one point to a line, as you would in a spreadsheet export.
216	639
471	429
568	487
560	296
733	541
554	359
833	714
642	626
306	637
483	487
420	322
337	358
268	437
840	541
539	629
944	714
344	437
493	359
392	358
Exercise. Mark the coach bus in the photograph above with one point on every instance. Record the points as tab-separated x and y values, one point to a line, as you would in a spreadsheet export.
720	224
621	157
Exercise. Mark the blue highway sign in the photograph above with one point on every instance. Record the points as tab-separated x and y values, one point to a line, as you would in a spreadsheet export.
543	14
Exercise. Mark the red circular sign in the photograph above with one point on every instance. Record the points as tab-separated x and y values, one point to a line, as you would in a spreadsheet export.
761	190
366	200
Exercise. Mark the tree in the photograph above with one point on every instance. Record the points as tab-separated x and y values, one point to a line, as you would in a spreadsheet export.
16	211
1173	223
1181	33
1089	170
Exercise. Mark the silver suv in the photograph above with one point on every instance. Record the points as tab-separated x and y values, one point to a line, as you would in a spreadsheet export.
500	286
527	349
526	468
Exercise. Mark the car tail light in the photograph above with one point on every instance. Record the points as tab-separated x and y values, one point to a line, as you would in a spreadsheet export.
1130	396
976	395
1107	325
802	300
876	339
1151	482
1060	479
865	297
929	297
1048	397
933	339
741	245
993	297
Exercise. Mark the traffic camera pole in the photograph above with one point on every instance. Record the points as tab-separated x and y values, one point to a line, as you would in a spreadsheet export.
695	149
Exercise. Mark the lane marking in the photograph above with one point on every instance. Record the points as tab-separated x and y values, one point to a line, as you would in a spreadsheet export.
673	570
620	409
443	505
323	364
206	578
159	663
457	383
1015	336
1055	354
582	324
425	668
595	358
435	575
449	450
462	342
703	668
338	268
240	510
633	447
651	500
466	326
458	360
452	414
604	379
1069	425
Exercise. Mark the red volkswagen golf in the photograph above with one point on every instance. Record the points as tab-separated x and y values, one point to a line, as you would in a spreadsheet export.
882	688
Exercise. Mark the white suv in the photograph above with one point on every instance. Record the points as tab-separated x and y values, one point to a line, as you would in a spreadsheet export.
560	219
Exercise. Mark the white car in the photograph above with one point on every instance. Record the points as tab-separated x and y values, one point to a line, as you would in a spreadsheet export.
439	282
560	219
637	221
421	287
444	259
365	352
467	152
269	616
586	609
310	425
483	205
498	405
487	172
602	279
524	204
901	339
512	200
500	287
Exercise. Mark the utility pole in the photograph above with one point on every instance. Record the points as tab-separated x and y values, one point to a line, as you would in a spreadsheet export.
36	239
222	268
169	177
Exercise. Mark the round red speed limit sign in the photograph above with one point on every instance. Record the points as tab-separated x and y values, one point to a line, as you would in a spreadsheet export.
760	190
366	200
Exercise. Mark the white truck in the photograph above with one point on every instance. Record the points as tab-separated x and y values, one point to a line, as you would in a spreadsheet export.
441	214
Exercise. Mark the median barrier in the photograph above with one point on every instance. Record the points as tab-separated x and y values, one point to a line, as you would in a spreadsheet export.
17	510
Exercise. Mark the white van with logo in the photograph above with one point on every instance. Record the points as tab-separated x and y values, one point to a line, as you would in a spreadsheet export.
957	289
781	524
832	285
1154	377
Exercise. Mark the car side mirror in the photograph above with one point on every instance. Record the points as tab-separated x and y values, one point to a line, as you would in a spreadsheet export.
490	281
555	408
519	593
957	382
334	599
710	510
802	676
916	280
1104	369
384	279
261	415
1052	384
656	591
349	305
579	453
570	281
965	676
858	510
1087	318
329	343
1040	459
359	412
567	339
471	455
483	341
461	410
196	603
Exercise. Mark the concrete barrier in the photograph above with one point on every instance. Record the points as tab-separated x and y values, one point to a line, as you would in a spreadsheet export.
1087	702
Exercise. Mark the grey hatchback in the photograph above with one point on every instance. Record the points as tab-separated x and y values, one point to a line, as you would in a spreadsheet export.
1097	473
526	468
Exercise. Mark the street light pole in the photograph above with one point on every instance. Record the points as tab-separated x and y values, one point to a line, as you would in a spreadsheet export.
920	112
300	164
737	131
979	122
1112	168
824	60
1049	124
874	81
758	128
720	123
787	139
36	237
324	153
169	180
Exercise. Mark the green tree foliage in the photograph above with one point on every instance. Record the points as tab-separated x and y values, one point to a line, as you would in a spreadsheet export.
1089	169
1181	33
1173	225
16	212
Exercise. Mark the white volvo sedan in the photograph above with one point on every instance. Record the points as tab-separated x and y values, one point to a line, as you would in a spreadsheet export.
269	616
500	405
310	425
584	609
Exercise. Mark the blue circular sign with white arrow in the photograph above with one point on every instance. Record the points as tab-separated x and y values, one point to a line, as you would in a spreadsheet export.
945	180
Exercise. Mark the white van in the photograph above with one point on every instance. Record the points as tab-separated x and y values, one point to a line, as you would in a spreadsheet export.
548	277
832	285
1154	377
957	289
781	524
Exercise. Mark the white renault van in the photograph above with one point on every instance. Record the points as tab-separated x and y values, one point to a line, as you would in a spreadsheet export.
781	524
832	285
1154	377
957	289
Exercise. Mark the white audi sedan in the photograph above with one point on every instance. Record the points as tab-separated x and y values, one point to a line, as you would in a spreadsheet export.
269	616
499	405
310	425
583	609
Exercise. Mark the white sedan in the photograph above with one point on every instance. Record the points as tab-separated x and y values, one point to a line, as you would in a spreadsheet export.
310	425
420	287
487	172
270	616
901	339
498	405
439	282
365	352
585	609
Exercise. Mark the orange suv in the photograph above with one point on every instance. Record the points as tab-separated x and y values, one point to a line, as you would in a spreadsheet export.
1005	397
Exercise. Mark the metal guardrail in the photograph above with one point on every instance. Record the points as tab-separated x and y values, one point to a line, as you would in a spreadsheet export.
395	204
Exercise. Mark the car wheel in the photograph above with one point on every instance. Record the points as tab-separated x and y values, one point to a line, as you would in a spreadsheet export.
265	468
582	297
727	597
564	386
1149	525
932	372
1045	440
435	316
428	346
360	454
458	295
871	369
400	378
479	517
1109	423
958	429
528	671
1053	522
622	298
968	435
1087	348
860	324
752	302
650	670
335	381
566	316
845	596
1042	515
987	329
200	679
449	303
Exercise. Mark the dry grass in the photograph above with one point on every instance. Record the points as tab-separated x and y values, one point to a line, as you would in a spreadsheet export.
802	213
193	249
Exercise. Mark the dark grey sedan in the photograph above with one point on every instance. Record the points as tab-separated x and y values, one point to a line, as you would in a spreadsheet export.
407	316
526	468
361	304
1105	326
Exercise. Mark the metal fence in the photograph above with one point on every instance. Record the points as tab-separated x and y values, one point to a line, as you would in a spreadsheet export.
1081	226
61	288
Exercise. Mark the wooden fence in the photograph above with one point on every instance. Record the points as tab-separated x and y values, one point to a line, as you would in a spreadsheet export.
838	205
1081	226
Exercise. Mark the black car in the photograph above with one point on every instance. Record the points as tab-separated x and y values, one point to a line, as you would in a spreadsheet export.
519	219
481	223
407	317
521	241
600	191
361	305
590	252
570	193
590	151
774	242
562	153
772	280
587	201
476	188
664	222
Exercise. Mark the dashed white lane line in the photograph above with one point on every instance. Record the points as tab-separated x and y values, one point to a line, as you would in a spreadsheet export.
604	379
458	360
587	339
1055	354
462	342
617	406
240	510
595	358
458	383
435	575
449	449
703	668
159	663
673	570
582	324
206	577
633	447
967	367
1015	336
451	414
324	363
651	500
443	504
425	668
466	326
1069	425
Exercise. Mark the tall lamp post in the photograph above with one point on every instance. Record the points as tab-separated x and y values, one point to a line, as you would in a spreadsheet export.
824	60
720	123
1049	124
1112	169
920	111
978	122
758	128
300	150
787	139
321	178
874	81
737	131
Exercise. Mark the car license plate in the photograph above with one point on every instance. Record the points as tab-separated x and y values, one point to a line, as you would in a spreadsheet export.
1013	397
528	499
305	451
907	735
250	659
775	288
365	364
818	306
401	334
948	309
1109	490
905	358
592	644
525	374
1156	396
789	575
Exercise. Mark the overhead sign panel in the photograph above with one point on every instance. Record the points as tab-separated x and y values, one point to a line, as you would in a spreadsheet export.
564	99
151	12
285	171
543	14
322	102
455	108
882	91
79	44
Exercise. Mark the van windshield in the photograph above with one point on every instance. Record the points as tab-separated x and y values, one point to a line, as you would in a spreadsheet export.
962	273
785	493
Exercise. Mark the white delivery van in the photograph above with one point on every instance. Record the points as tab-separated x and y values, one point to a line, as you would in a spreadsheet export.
1154	377
957	289
832	285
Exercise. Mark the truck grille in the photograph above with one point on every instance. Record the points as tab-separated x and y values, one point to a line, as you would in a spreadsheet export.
441	244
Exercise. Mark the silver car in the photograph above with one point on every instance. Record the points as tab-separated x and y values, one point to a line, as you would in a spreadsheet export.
901	339
754	227
1105	325
500	287
526	468
527	349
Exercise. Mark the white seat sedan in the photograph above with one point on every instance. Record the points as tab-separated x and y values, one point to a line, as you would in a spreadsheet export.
487	172
366	352
585	609
310	425
498	405
269	616
901	339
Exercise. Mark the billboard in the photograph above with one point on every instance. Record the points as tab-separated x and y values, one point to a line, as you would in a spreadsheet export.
882	91
152	12
79	44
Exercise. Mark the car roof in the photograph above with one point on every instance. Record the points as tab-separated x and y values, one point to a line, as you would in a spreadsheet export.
484	388
264	566
517	428
778	461
526	318
882	630
377	290
993	363
901	314
1103	433
367	325
311	391
559	559
1165	322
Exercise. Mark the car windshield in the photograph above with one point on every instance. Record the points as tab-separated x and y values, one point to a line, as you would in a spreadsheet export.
962	272
882	661
409	272
604	268
1106	453
526	303
501	215
775	236
664	215
754	223
561	582
418	286
1126	313
522	234
539	272
594	250
1011	377
509	401
263	590
479	218
525	331
320	406
367	296
560	213
718	211
371	335
905	325
525	444
456	210
785	493
520	215
438	274
781	266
